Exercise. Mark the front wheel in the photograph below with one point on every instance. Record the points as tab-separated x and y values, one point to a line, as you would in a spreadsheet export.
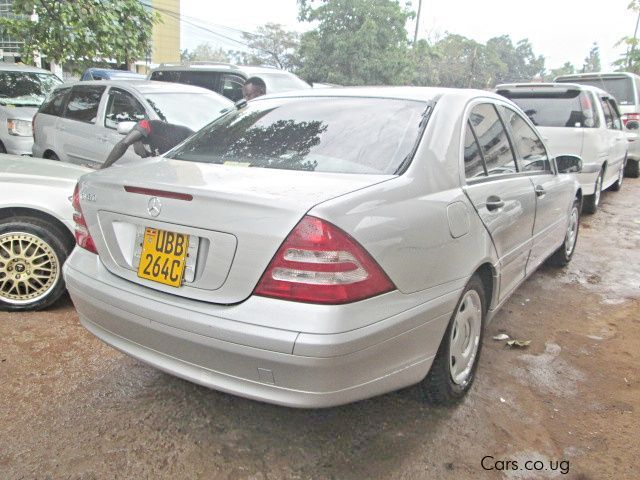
562	256
32	252
454	367
591	202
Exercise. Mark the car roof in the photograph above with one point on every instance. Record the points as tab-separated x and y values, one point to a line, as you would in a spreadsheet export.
143	86
552	86
248	70
17	67
420	94
597	75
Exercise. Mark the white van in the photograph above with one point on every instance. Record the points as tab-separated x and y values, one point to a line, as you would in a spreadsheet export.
22	91
578	120
625	87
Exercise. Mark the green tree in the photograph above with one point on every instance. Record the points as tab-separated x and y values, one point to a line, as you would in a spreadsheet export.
567	69
630	60
272	45
592	61
356	42
520	64
82	31
205	52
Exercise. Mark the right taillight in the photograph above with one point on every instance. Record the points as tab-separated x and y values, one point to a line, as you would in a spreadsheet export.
319	263
630	116
83	237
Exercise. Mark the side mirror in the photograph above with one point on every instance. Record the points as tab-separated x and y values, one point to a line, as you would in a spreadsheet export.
569	164
633	125
125	127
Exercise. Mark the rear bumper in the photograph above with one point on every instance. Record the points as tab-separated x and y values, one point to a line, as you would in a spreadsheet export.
588	176
241	357
18	145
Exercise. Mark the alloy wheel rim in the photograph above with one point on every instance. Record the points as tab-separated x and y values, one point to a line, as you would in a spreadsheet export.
598	189
572	232
29	268
465	337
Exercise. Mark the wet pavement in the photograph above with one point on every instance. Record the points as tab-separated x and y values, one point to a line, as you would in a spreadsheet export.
72	407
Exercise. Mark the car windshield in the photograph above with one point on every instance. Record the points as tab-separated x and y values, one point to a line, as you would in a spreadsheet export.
282	82
621	88
188	109
28	89
554	109
326	134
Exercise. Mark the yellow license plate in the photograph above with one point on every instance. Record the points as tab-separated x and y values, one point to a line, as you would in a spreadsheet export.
163	256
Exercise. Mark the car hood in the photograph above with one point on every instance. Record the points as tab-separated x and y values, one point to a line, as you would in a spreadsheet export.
14	165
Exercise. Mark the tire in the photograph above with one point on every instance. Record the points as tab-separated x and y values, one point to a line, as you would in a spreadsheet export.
447	382
3	149
52	156
24	286
563	255
591	202
632	170
618	184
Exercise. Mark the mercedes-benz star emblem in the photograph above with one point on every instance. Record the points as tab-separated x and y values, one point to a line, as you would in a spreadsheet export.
154	207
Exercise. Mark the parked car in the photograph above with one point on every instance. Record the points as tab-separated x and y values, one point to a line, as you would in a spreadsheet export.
109	74
79	123
22	90
625	87
227	79
581	120
36	230
313	249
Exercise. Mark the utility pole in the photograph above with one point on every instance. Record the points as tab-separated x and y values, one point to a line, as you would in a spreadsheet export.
415	35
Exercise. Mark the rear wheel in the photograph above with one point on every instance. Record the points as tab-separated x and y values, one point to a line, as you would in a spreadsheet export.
32	253
3	149
562	256
632	169
591	202
52	156
454	367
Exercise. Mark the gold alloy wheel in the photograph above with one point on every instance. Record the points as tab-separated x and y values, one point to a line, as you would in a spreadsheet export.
29	268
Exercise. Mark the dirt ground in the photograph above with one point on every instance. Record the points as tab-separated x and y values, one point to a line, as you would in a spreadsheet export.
72	407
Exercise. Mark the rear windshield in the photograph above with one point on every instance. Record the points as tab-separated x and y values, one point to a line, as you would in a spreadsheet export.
188	109
342	135
26	89
621	88
282	82
555	109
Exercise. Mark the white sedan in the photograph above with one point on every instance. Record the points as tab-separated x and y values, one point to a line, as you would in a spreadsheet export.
36	230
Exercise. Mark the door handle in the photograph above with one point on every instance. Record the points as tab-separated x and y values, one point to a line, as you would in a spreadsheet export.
494	203
540	191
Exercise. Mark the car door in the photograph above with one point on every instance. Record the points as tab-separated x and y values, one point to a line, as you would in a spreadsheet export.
503	197
552	196
615	142
77	127
121	106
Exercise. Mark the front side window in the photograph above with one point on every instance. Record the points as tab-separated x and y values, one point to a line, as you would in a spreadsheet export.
527	143
232	87
54	104
324	134
493	140
122	107
83	103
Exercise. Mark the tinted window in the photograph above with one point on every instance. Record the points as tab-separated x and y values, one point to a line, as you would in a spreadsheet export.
232	87
26	88
555	109
166	76
188	109
615	114
473	162
529	147
208	80
54	104
608	117
621	88
343	135
83	103
122	107
493	140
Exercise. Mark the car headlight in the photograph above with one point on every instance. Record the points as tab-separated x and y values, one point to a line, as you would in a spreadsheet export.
20	128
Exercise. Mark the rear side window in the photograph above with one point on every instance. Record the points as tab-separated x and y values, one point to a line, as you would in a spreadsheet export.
493	140
568	108
615	114
473	161
83	103
54	104
528	146
324	134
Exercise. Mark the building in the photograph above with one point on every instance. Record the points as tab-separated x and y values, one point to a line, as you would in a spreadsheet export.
166	33
9	47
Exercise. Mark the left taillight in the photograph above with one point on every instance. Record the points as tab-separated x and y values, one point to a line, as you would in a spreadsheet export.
83	237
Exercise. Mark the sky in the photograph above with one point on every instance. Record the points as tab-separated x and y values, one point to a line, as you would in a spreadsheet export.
560	30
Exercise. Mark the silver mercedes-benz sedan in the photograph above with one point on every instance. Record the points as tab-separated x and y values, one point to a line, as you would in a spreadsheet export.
315	248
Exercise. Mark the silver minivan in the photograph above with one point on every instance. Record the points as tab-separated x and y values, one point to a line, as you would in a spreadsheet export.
625	87
22	90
